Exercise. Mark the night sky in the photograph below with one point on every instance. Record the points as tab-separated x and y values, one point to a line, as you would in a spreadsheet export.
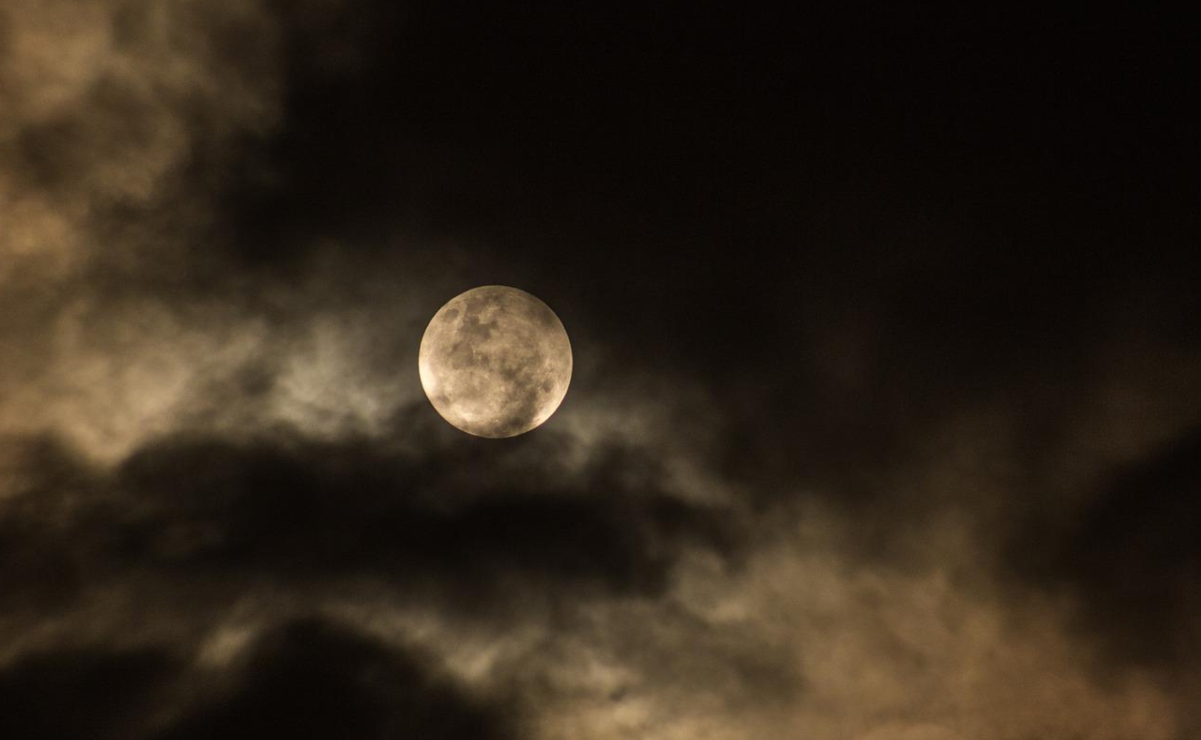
885	421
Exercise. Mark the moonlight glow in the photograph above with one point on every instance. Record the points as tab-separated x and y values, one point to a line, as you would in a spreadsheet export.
495	361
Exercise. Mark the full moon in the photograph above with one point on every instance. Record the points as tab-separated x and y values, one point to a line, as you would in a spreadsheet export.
495	361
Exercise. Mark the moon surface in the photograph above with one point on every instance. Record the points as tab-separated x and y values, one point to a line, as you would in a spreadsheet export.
495	361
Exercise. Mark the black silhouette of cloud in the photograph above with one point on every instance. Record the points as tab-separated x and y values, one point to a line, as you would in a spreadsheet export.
313	679
82	693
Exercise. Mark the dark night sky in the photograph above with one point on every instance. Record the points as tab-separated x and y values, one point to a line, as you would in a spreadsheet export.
886	414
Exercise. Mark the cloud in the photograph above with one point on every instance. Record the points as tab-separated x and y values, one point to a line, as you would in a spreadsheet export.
319	510
306	678
593	583
107	104
87	692
315	679
1129	554
120	118
298	511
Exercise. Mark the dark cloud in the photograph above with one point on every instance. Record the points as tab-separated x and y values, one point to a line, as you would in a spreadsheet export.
83	692
307	678
315	679
300	511
46	487
1130	555
316	510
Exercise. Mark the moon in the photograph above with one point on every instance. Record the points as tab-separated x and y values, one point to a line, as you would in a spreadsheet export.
495	362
